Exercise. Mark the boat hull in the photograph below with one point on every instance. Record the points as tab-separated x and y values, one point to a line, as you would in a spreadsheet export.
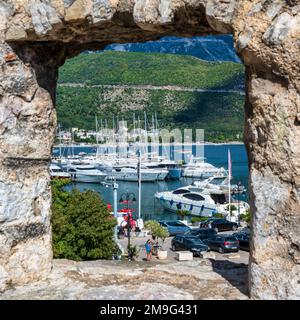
198	174
175	173
133	177
79	177
195	210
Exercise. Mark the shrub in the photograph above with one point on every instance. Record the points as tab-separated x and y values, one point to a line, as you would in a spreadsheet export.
218	215
182	213
198	219
82	226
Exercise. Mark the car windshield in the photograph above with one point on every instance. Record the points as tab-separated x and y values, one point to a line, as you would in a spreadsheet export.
176	224
192	232
230	239
194	240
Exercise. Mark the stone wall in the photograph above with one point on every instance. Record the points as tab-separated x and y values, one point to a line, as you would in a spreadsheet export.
36	36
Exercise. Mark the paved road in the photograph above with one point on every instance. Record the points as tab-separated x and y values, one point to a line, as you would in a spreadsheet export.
240	257
150	87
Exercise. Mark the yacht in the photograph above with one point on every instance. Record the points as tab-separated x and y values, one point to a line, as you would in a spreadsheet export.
131	174
197	168
86	173
57	172
174	172
219	183
199	202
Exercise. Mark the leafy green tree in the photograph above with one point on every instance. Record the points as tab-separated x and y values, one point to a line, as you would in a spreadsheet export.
157	231
182	214
246	217
231	208
82	226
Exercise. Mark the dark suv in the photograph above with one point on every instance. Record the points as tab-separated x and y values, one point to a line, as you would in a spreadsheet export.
190	243
244	240
223	243
219	225
174	227
202	233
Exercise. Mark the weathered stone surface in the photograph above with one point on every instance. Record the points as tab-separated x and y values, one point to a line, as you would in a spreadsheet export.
76	11
219	14
110	280
44	16
36	37
280	28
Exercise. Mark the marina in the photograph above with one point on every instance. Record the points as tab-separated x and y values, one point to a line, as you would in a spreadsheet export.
151	207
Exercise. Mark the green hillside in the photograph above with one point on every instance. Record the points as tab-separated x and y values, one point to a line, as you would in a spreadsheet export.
111	67
220	114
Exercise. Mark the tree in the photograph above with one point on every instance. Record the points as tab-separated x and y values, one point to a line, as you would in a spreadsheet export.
82	226
231	208
157	231
182	214
246	216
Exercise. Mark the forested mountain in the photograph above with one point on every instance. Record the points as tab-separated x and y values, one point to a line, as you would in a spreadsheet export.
184	91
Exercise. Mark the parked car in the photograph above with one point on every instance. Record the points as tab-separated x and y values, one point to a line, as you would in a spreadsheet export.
175	227
219	225
246	230
202	233
244	240
222	243
189	243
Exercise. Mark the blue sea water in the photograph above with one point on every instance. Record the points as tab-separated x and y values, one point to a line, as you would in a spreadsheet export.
151	209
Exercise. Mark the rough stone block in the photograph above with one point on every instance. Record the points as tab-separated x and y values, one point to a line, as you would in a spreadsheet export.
184	256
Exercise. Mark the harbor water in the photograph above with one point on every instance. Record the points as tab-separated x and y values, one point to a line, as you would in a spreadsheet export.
151	209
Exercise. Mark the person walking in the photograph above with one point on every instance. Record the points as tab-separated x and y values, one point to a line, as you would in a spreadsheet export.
148	247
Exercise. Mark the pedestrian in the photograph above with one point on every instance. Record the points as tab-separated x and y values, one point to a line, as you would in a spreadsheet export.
148	247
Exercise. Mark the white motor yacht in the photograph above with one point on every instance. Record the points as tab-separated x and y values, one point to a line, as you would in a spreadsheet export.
219	183
57	172
131	174
86	173
199	202
166	166
197	168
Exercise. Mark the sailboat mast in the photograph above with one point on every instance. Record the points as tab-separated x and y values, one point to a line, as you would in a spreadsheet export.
229	179
72	135
146	133
139	184
96	124
59	137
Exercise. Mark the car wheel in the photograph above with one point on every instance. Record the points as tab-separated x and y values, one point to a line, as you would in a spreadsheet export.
217	230
173	247
221	250
234	228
